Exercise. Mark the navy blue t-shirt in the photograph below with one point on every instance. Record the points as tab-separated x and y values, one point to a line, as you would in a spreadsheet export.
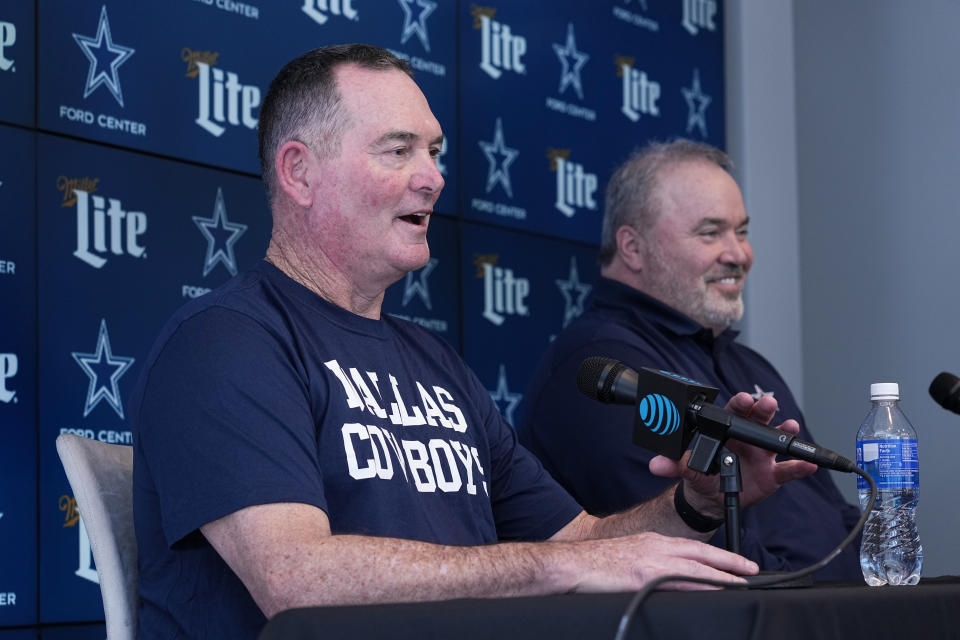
262	392
587	446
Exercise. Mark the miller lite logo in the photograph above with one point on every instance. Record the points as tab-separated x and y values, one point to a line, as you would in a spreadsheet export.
192	57
575	187
69	186
500	49
503	293
8	369
8	38
699	14
222	100
321	10
71	518
104	229
640	93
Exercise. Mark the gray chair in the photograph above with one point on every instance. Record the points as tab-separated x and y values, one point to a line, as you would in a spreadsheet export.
101	477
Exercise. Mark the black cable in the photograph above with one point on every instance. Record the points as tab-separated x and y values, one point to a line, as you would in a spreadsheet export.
755	582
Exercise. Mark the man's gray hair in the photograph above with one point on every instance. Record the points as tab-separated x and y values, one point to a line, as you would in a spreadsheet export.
631	197
303	102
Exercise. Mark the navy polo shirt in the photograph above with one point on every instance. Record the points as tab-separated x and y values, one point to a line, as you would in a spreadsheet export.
587	446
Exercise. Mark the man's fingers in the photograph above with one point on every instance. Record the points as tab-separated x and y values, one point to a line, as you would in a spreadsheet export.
789	470
665	467
761	410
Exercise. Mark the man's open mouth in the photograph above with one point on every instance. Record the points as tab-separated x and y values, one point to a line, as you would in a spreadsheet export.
419	218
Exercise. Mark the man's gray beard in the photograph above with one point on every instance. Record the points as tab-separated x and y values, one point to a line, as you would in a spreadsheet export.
723	312
713	311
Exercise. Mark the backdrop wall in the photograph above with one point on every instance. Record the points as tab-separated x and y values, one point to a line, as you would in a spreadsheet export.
128	184
877	143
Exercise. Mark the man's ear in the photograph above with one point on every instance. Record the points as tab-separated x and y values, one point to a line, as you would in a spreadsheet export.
293	165
631	247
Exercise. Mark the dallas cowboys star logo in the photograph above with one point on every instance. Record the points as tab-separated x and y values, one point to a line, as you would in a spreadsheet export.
414	285
104	370
503	394
572	61
419	25
760	393
574	293
697	103
103	71
499	169
441	165
221	235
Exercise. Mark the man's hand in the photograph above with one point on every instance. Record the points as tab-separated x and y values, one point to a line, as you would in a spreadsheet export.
628	563
761	473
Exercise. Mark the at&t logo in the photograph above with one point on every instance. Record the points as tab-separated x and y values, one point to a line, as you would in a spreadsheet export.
575	187
318	10
699	14
224	101
107	230
500	50
640	93
659	414
8	369
8	38
503	293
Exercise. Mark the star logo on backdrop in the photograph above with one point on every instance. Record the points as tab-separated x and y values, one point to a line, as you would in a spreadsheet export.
499	168
417	284
503	395
104	370
419	25
221	235
105	58
697	103
574	293
572	61
760	393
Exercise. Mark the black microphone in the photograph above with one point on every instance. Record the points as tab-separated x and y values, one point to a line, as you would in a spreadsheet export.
945	389
669	409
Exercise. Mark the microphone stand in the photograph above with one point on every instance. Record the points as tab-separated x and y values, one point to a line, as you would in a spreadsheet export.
708	455
732	485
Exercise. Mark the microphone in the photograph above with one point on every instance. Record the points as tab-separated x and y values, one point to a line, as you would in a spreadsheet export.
669	409
945	389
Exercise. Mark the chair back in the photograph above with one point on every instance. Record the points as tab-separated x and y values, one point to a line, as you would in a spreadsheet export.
101	477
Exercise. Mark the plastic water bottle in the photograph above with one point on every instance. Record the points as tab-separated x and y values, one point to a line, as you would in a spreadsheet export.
887	449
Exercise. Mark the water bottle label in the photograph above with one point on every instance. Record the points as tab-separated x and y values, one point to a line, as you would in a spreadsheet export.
892	464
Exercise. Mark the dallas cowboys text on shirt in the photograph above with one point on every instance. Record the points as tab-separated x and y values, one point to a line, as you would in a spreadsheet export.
377	452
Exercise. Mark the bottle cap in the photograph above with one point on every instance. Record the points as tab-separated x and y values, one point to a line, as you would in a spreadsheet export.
884	391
